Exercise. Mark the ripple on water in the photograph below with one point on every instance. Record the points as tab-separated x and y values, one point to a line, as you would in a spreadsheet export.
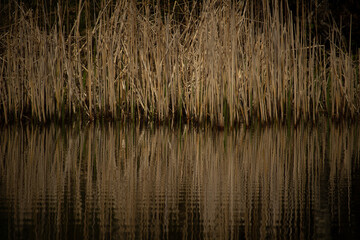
136	183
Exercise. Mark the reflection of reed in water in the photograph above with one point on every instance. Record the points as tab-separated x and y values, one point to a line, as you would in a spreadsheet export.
344	155
256	181
135	183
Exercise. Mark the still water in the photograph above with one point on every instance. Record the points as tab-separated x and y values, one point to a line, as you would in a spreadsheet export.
130	182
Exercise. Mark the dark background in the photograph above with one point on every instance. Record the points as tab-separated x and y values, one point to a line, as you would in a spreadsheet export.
343	13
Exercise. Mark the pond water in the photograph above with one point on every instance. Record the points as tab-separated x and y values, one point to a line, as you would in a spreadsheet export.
120	181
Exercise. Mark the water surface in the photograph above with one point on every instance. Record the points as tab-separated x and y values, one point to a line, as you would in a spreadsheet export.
130	182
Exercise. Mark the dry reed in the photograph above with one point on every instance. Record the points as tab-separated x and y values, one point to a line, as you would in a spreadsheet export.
222	63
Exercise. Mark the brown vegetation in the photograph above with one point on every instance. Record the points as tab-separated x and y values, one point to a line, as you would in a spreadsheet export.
224	63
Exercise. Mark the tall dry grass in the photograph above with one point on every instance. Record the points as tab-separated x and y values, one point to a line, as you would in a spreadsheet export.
223	62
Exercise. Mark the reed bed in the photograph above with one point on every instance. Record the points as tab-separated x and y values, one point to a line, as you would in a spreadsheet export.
133	182
222	62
